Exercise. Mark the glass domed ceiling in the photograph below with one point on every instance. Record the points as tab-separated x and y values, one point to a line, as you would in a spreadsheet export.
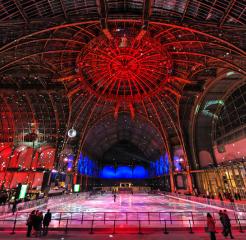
124	66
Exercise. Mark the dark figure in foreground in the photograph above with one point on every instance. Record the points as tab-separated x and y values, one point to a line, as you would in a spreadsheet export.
227	221
37	223
211	226
114	197
29	223
46	222
14	207
222	220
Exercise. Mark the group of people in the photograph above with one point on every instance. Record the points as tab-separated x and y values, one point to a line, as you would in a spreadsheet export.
225	221
228	196
38	222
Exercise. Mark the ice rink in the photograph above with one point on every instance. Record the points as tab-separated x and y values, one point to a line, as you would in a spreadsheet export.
100	211
128	203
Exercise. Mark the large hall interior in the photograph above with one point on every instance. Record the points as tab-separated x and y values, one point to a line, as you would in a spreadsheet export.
122	115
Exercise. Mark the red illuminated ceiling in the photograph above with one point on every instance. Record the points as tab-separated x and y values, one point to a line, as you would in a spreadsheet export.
124	67
78	63
127	70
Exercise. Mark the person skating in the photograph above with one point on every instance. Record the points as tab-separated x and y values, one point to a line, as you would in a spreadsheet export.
115	197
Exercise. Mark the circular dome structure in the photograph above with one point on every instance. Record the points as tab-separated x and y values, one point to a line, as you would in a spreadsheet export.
124	67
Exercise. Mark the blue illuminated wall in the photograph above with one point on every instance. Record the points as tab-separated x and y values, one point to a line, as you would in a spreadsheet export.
125	172
86	166
178	159
159	167
70	162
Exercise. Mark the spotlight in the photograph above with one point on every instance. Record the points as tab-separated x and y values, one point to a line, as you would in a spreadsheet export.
72	133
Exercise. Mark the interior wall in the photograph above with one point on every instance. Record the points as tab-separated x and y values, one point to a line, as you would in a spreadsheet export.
230	151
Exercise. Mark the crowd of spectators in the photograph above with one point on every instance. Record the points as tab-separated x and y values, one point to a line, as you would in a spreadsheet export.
225	222
39	223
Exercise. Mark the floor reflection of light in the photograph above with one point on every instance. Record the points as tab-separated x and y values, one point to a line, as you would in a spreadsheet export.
120	200
129	203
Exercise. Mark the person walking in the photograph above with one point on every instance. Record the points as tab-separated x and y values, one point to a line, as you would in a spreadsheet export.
115	197
211	226
29	223
227	225
222	220
46	222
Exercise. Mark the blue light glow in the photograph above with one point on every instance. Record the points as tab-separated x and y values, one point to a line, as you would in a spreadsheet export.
160	166
70	162
87	166
124	172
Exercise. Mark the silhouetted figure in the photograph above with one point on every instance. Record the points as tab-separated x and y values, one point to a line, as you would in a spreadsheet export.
227	225
114	197
14	207
239	196
211	226
29	223
46	222
37	223
220	196
222	220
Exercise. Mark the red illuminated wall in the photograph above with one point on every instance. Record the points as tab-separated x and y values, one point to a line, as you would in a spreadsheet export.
234	150
26	160
205	158
46	157
5	152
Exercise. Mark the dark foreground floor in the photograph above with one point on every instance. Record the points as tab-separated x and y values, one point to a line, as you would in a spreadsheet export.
102	236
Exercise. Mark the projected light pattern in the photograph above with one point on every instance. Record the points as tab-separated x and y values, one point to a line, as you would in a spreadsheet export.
124	172
160	166
87	166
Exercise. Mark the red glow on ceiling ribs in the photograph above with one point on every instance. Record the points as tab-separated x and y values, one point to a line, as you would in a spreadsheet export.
124	68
